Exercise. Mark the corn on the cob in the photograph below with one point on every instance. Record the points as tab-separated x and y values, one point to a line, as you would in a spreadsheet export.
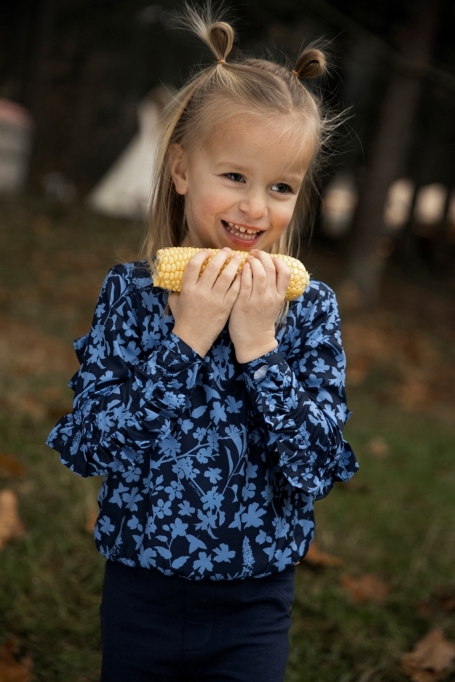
171	262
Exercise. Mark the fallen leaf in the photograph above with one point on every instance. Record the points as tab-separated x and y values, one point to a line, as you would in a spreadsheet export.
445	599
10	467
365	588
441	599
56	413
431	660
315	557
10	524
378	447
12	670
424	608
354	486
51	393
90	521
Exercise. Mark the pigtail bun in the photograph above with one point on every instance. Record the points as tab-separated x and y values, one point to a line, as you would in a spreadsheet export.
310	64
221	39
216	34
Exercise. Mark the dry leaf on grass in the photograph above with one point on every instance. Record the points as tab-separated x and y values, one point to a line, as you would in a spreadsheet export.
441	599
354	486
431	660
57	413
444	598
10	467
315	557
90	521
424	608
10	524
365	588
378	447
12	670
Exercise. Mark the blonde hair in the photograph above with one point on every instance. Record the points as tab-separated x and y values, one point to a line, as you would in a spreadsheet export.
253	86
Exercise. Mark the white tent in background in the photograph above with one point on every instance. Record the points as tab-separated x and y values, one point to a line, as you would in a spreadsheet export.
125	189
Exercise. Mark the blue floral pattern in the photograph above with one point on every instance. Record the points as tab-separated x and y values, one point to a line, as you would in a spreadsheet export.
211	467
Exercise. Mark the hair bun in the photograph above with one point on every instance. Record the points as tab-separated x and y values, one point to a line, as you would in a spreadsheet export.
311	64
218	35
221	39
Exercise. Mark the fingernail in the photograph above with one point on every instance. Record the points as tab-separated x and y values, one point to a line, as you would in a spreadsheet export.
226	248
237	256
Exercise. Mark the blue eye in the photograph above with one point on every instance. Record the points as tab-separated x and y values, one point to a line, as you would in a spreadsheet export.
236	177
281	188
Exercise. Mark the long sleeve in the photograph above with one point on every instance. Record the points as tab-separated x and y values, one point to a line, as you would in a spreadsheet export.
131	386
298	395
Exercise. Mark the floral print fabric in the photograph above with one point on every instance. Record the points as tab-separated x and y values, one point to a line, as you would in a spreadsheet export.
211	467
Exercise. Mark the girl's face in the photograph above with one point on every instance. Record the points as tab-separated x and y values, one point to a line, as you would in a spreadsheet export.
241	184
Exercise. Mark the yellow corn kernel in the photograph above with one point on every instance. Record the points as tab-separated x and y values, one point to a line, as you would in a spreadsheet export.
174	259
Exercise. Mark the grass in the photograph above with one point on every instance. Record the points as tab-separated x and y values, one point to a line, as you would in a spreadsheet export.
395	519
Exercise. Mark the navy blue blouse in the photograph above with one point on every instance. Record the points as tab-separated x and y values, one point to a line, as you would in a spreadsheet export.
211	467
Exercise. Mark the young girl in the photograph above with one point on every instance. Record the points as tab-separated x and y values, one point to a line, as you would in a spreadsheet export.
215	414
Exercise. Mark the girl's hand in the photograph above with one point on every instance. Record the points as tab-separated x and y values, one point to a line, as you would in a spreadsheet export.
203	306
264	282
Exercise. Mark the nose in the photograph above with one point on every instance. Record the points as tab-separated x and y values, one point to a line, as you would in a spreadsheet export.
254	204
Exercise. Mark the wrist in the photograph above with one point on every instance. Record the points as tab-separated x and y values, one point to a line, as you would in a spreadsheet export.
194	341
254	351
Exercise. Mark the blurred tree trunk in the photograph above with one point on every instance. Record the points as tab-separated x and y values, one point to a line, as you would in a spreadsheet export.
387	156
37	88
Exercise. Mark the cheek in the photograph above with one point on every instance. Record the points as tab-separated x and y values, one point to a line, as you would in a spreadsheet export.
211	202
283	215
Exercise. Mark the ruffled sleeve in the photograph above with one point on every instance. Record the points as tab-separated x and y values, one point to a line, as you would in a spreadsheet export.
299	396
125	396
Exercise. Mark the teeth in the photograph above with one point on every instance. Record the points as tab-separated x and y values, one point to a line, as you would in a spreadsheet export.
242	230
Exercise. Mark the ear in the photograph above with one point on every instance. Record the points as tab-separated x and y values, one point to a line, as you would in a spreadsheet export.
178	168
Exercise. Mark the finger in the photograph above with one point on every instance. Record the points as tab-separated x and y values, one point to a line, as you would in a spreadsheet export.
283	276
246	281
268	264
233	291
227	276
259	276
213	267
192	271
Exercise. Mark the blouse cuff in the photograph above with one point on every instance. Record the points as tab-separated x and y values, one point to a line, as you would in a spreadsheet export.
181	350
256	370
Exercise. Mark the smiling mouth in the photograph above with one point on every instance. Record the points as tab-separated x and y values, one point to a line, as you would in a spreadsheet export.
241	232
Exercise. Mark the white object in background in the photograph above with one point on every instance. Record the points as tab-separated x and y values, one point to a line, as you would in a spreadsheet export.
339	204
430	204
125	190
16	127
397	207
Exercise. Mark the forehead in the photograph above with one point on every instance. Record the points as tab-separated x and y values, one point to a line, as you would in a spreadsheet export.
280	141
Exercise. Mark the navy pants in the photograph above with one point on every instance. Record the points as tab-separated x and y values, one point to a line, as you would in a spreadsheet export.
157	628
